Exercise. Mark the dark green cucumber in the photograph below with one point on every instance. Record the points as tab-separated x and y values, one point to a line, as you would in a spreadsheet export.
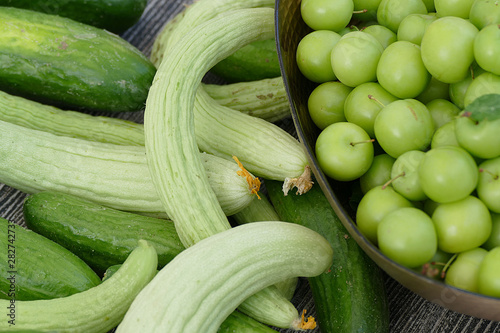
113	15
101	236
71	65
351	296
34	267
255	61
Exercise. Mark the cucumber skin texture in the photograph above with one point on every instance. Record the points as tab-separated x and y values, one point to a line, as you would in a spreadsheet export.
351	297
255	61
44	269
113	15
61	62
101	236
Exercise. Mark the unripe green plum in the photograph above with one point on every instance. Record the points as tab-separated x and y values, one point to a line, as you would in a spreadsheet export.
488	187
363	104
487	48
390	13
326	103
313	55
383	34
326	14
484	12
486	83
435	90
463	273
458	8
494	239
413	27
401	71
447	48
355	57
378	174
462	225
442	111
448	174
489	274
374	205
404	125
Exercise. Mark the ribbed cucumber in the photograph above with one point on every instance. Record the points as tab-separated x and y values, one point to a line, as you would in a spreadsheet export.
99	235
113	15
351	296
62	62
111	175
34	267
255	61
226	268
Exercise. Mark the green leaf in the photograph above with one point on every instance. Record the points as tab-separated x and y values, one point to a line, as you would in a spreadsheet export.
485	107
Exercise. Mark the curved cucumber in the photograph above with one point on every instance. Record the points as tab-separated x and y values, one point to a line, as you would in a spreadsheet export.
62	62
226	268
113	15
100	236
255	61
111	175
351	296
34	267
96	310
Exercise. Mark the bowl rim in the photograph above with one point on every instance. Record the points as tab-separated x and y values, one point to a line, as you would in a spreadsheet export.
437	292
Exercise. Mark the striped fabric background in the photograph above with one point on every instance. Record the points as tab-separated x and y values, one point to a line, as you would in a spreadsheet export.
409	312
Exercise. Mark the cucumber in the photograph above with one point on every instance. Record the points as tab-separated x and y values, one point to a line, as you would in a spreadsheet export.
96	310
35	267
100	236
226	268
351	296
255	61
61	62
113	15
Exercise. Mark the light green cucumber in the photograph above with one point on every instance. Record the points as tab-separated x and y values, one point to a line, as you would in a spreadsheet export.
260	210
171	146
264	98
101	236
96	310
262	147
35	267
111	175
226	268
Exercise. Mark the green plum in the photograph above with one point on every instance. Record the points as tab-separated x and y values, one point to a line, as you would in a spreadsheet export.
401	71
404	125
378	174
355	57
407	236
374	205
463	272
390	13
462	225
487	48
413	27
488	186
363	104
313	55
344	151
326	103
326	14
448	174
447	48
489	274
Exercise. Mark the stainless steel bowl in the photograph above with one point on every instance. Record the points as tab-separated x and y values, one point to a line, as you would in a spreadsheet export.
290	28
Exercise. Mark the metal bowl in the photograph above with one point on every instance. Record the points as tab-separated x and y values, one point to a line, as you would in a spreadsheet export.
290	28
